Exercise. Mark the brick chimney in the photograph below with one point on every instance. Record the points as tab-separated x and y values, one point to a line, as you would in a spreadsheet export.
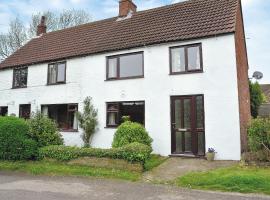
125	6
42	28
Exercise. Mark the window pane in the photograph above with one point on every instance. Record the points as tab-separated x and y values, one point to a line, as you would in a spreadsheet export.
115	112
3	111
52	74
23	77
179	140
61	76
131	65
194	62
112	119
201	148
112	68
178	113
199	112
188	140
178	59
187	116
16	78
25	111
65	118
135	111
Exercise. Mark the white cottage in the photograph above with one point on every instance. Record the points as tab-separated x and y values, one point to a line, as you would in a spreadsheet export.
181	70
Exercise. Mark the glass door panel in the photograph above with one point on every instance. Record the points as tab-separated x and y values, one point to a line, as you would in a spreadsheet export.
188	125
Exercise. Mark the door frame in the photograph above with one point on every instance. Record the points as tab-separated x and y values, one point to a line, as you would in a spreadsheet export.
193	121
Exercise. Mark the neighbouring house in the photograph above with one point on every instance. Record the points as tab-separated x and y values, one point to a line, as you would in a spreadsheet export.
180	70
264	110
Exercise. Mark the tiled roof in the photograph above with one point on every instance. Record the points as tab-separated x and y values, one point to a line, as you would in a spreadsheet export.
182	21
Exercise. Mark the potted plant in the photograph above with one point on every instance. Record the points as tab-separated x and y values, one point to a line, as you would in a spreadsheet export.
210	155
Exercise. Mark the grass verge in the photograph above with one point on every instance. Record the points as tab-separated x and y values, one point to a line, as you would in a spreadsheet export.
234	179
154	161
62	169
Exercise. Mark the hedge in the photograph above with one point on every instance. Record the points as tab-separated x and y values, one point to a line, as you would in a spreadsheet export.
130	132
14	142
134	152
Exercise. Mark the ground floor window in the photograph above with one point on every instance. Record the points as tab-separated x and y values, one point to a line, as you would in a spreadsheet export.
116	110
3	110
25	111
63	114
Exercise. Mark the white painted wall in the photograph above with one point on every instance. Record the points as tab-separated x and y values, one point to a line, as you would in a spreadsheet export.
86	77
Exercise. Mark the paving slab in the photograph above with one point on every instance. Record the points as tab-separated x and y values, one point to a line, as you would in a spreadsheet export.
176	166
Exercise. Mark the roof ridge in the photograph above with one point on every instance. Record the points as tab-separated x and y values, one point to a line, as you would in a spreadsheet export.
115	17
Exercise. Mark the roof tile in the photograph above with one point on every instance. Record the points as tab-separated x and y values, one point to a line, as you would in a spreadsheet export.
176	22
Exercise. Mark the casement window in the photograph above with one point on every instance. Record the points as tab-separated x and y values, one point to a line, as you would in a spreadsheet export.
63	115
57	73
116	110
25	111
125	66
186	59
3	110
20	77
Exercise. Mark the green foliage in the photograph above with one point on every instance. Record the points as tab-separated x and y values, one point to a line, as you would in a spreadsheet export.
133	152
129	132
256	98
259	134
44	130
233	179
88	121
257	157
14	141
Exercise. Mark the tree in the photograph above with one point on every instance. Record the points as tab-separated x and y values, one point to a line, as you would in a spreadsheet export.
88	121
14	39
256	98
19	33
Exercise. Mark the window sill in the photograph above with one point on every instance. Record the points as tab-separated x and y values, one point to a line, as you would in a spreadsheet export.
189	72
51	84
69	131
126	78
18	87
111	127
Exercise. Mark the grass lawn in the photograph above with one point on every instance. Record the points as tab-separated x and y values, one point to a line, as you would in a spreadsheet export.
61	169
234	179
154	161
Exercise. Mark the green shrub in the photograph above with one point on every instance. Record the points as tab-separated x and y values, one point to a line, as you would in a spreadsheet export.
130	132
14	141
134	152
259	135
44	130
259	156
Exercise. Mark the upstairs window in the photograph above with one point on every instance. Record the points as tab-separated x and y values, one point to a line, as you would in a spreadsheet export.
125	66
186	59
20	77
57	73
116	110
63	114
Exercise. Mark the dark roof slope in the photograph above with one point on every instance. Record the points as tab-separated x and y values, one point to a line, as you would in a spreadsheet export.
181	21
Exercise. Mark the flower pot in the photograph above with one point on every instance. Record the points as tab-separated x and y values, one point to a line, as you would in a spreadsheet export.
210	156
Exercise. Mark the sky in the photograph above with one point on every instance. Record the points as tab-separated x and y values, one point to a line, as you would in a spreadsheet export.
256	19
